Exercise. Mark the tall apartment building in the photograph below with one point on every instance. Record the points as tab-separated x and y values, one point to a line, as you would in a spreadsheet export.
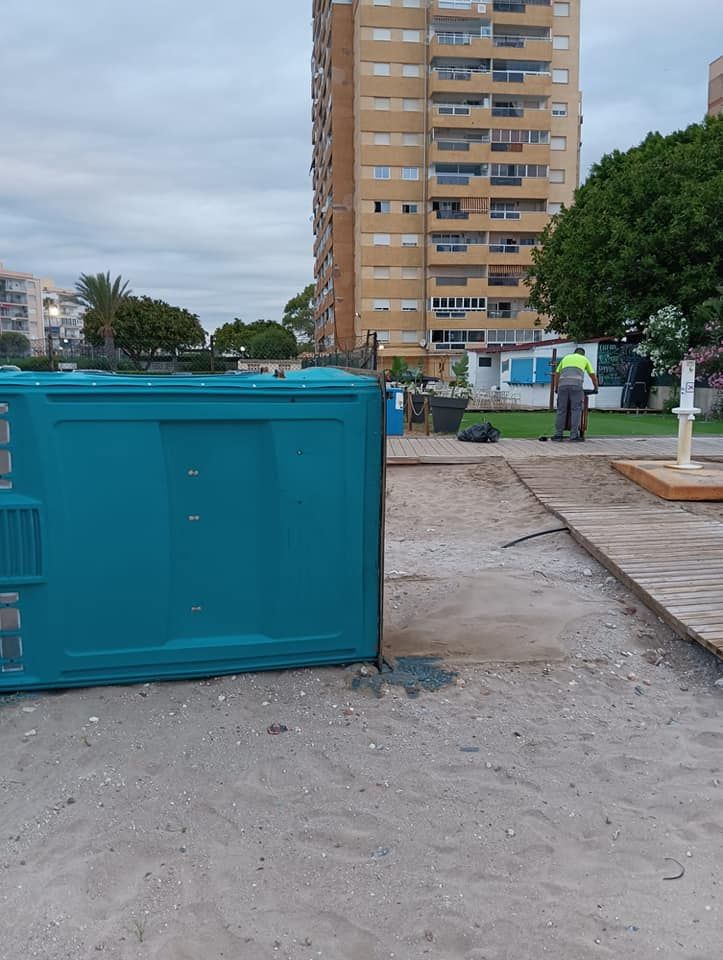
445	134
21	304
715	87
63	316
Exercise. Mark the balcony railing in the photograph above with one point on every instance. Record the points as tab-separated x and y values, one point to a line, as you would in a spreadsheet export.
453	179
460	73
517	6
503	281
508	111
504	248
454	39
517	76
505	214
517	42
462	145
503	314
506	181
452	215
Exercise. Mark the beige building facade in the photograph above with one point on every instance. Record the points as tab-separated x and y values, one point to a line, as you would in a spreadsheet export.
446	133
715	88
21	304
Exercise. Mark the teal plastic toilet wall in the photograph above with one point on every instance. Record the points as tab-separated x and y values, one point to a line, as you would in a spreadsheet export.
154	528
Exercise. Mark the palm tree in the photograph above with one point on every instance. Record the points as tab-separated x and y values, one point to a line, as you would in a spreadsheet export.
103	298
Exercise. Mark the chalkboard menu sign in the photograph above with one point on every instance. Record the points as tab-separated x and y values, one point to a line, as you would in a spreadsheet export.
613	361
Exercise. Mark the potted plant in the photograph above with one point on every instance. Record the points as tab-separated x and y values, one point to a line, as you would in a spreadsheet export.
447	412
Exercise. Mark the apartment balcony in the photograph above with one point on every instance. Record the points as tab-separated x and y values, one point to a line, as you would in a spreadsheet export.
533	220
470	151
443	43
514	253
448	185
519	152
537	80
461	287
458	219
534	13
512	44
456	253
518	187
459	115
459	80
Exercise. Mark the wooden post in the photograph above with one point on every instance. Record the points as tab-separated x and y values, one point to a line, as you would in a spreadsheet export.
426	415
553	367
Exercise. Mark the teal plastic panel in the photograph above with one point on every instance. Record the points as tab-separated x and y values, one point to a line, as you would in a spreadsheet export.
186	526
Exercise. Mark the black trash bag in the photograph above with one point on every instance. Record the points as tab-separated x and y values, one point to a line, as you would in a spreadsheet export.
480	433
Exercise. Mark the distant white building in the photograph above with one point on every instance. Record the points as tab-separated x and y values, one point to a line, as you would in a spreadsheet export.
21	305
63	316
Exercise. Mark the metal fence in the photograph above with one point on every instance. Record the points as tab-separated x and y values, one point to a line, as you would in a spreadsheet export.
47	354
362	355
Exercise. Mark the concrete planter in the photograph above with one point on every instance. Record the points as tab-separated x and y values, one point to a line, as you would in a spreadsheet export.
447	413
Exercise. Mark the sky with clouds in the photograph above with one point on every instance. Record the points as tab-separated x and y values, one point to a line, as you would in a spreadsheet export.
169	141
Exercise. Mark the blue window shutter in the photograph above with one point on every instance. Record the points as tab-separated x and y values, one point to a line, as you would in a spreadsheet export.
521	370
543	370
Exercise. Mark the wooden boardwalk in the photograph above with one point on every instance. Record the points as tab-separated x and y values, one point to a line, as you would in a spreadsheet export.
671	558
407	451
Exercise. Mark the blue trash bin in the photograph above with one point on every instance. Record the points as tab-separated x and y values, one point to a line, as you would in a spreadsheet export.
395	412
162	527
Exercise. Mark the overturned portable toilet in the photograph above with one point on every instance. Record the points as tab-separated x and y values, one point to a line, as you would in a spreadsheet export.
153	528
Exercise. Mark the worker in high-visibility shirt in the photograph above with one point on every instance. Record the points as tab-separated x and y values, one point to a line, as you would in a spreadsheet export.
569	381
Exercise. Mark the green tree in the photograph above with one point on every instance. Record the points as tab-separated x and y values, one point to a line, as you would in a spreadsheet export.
14	344
645	231
262	339
298	315
144	327
103	298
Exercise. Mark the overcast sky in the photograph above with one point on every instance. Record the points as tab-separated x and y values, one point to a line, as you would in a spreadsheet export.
169	140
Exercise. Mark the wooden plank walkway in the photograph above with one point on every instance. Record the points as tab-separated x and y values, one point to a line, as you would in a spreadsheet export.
671	558
406	451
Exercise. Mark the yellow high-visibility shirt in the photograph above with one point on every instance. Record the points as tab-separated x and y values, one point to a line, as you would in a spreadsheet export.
572	369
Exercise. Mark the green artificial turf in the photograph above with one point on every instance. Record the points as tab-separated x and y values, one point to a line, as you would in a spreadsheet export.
530	425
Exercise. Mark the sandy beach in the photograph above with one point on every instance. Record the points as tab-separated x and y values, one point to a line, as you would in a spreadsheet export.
535	807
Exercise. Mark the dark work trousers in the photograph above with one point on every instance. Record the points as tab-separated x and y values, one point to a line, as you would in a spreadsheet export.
573	395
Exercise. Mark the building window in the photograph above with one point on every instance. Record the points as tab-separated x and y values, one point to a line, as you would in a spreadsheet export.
411	139
382	240
410	173
411	3
484	361
557	176
382	273
382	336
561	9
558	143
382	173
382	139
410	273
411	70
560	76
560	43
559	109
411	104
411	36
459	303
382	304
410	208
553	208
382	3
410	336
381	33
410	240
381	103
382	206
410	306
382	69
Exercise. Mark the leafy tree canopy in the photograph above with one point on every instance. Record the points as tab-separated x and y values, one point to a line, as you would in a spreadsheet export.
144	327
646	230
298	314
14	344
262	339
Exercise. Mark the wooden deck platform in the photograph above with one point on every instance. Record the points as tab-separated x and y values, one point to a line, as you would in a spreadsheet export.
406	451
671	558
